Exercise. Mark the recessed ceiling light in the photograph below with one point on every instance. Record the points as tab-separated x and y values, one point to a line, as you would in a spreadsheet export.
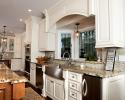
29	10
21	19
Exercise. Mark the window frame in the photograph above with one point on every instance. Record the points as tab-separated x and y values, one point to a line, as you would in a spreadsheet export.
74	42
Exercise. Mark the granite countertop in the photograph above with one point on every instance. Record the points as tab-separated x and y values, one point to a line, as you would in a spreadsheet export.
96	72
7	75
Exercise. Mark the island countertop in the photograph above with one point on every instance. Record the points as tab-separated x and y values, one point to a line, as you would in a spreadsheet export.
7	75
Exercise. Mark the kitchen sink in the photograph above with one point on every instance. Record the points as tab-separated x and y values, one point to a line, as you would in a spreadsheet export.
55	72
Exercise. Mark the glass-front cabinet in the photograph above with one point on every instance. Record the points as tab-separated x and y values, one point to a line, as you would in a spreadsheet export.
7	44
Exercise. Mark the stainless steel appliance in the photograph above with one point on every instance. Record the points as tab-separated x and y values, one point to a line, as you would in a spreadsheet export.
91	87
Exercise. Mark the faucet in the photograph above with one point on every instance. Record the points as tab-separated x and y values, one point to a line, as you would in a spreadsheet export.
69	58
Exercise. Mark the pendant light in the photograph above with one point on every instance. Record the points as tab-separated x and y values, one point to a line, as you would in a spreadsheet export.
77	31
4	39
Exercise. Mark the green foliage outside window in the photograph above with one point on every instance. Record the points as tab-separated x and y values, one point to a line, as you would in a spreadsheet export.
87	45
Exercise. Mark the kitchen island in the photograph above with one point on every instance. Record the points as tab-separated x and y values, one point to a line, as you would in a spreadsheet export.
88	83
12	86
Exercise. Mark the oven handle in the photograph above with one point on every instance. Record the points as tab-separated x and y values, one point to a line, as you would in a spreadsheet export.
84	83
39	67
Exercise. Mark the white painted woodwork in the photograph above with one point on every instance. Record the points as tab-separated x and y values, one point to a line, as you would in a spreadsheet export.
54	88
65	76
75	76
75	94
44	82
113	88
66	7
33	74
8	42
18	46
33	22
109	23
46	39
16	64
91	7
49	87
28	32
74	86
58	91
70	98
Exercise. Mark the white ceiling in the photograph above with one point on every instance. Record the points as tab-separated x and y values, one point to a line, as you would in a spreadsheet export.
12	10
69	22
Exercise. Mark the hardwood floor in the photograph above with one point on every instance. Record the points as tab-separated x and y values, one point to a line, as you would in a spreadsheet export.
32	93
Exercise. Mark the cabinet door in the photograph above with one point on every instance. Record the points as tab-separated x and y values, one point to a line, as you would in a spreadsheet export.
116	89
58	91
33	73
109	23
2	94
49	87
91	88
102	23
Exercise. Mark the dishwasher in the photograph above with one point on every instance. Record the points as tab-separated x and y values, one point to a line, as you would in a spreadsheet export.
91	87
39	76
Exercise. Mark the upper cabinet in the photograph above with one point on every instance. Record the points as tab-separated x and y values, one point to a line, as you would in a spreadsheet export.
109	23
28	32
66	7
91	7
46	39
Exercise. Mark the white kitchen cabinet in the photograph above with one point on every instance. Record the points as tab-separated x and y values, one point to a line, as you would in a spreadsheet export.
54	88
46	39
18	46
91	7
113	88
28	32
67	7
10	44
58	91
73	85
33	74
109	23
49	87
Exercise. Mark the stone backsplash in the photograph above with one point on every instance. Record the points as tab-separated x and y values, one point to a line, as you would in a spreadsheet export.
92	64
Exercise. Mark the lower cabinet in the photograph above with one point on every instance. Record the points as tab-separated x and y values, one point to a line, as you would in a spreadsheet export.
54	88
15	91
49	87
5	91
2	92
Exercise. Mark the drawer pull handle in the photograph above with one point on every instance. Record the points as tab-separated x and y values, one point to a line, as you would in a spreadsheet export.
84	83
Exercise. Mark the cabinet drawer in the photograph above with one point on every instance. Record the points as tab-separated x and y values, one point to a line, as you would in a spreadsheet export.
75	77
75	85
70	98
74	94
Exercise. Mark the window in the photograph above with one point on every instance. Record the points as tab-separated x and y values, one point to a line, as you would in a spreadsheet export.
65	44
87	45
